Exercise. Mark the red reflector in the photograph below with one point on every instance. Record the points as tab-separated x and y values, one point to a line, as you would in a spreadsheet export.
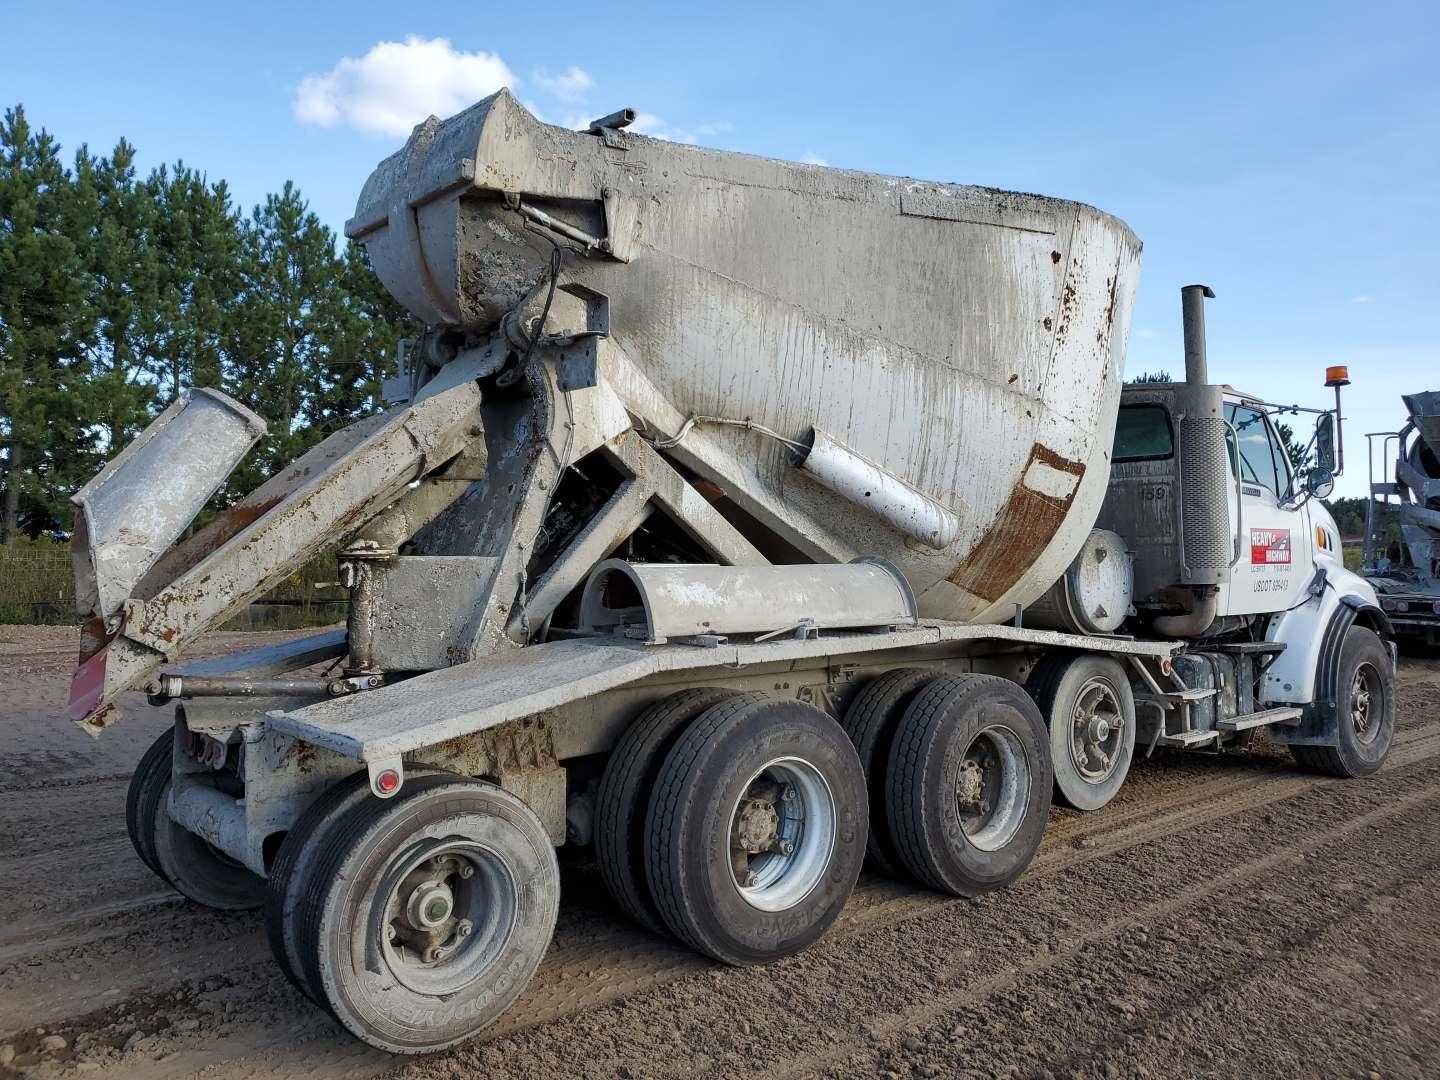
387	781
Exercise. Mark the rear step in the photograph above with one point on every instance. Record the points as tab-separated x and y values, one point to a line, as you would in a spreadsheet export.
1286	715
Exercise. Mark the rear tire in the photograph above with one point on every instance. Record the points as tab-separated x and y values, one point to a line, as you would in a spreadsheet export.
1365	710
870	721
288	872
148	783
1089	709
427	914
969	784
628	782
198	870
757	830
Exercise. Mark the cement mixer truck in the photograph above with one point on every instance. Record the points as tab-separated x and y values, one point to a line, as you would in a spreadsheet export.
1405	570
745	521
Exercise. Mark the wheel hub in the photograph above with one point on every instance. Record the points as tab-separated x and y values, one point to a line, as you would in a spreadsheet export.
1363	715
969	787
992	786
1095	741
757	826
429	906
782	831
435	911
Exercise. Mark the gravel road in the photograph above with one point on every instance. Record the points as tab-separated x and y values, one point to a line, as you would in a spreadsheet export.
1222	917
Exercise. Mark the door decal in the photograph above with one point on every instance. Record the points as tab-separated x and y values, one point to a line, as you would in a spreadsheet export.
1269	546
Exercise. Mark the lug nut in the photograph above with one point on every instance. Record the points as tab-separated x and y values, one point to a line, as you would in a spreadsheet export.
787	847
751	879
463	928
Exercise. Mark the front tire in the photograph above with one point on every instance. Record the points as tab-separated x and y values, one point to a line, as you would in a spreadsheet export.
1089	709
429	913
756	833
1365	710
969	784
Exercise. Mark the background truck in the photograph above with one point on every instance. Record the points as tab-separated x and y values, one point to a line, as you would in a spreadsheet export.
1405	571
741	519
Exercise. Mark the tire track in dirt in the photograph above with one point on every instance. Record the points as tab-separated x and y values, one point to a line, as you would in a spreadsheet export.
930	1010
759	1020
593	969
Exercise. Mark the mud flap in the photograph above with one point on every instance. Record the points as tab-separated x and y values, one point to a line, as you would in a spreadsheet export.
1319	724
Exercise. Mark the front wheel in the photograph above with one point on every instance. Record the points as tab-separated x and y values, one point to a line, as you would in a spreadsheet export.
1365	710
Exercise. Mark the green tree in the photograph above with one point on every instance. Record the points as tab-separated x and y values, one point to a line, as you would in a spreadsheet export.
285	323
44	322
1294	450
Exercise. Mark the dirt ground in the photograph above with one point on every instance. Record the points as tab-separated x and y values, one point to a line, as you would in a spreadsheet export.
1223	917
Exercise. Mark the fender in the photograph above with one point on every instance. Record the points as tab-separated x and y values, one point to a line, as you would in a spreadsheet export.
1306	672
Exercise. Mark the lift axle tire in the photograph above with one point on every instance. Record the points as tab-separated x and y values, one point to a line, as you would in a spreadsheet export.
969	784
148	782
624	797
756	833
871	721
428	913
199	871
1089	708
1365	710
296	855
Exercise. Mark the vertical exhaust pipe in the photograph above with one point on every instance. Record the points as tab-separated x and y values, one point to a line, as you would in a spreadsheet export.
1192	315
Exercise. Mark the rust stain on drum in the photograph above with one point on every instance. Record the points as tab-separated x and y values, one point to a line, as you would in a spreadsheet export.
1020	532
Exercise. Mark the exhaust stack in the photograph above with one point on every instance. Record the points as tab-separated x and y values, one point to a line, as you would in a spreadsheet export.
1192	315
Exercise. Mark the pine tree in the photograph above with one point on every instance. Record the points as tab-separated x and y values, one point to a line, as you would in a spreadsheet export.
284	324
44	321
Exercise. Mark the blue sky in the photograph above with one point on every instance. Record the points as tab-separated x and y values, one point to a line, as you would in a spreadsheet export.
1288	155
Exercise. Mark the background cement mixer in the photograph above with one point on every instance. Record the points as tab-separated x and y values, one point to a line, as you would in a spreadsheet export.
1407	574
961	347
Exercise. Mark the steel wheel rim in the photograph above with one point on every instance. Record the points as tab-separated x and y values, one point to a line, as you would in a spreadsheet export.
993	788
792	861
1096	731
436	954
1366	703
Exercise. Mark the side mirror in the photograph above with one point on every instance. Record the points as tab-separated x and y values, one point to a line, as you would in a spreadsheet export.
1325	445
1319	483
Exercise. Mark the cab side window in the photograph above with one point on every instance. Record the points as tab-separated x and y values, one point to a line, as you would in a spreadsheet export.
1261	458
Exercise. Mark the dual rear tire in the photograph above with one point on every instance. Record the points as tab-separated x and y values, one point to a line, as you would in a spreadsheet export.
734	822
959	777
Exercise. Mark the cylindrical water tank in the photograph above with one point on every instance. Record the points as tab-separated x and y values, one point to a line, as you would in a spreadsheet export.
1093	595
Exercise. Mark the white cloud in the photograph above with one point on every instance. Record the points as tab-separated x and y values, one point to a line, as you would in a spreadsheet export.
571	85
396	85
1144	333
1362	298
812	158
655	127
